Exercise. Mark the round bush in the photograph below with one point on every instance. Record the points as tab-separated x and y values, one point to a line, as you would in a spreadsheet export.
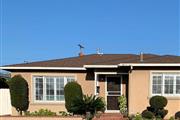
72	91
177	115
158	102
147	114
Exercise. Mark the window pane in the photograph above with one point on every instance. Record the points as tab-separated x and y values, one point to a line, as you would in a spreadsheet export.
60	88
49	88
178	85
39	88
168	85
70	78
157	84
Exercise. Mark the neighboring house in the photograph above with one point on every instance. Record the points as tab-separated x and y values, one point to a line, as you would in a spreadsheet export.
4	75
138	77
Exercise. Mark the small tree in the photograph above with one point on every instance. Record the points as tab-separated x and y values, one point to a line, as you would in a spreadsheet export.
72	91
19	93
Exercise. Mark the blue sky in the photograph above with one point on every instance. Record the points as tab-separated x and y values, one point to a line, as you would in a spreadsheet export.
34	30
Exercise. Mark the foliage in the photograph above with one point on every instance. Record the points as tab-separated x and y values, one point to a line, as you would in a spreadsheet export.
88	106
3	83
137	117
72	91
147	114
157	104
122	104
131	116
19	93
63	113
171	118
177	115
41	112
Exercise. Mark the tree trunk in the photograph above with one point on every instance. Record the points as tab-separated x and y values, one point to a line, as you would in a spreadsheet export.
20	112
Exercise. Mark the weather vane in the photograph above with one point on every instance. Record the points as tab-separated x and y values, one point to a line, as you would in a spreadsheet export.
81	49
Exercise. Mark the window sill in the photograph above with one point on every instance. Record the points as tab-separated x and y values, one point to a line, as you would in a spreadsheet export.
48	103
168	97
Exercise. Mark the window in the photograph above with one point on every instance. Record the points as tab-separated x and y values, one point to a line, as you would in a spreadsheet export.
166	84
39	88
156	84
178	85
48	88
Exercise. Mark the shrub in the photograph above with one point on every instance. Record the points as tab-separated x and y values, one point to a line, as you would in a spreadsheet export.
19	93
177	115
138	117
158	102
131	116
147	114
63	113
162	113
41	112
122	104
172	118
88	106
3	83
72	91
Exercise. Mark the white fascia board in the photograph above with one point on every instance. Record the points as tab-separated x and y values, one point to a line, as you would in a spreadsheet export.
100	66
43	68
151	64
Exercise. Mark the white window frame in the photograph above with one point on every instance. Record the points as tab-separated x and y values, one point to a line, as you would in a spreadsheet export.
44	88
164	73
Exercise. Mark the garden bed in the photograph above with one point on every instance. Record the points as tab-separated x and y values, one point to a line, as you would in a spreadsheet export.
39	118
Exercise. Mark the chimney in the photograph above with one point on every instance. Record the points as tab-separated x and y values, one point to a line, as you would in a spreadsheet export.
81	54
141	57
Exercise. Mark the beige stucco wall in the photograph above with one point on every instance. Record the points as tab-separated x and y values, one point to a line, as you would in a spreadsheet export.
139	93
87	87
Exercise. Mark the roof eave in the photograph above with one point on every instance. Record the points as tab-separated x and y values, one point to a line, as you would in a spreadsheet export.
42	68
100	66
151	64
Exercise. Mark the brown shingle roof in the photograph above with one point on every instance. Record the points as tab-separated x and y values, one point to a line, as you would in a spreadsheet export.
105	59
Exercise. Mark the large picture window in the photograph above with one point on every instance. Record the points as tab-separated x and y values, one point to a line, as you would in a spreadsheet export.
48	88
166	84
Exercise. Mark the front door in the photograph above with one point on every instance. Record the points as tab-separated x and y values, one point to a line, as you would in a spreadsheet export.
113	92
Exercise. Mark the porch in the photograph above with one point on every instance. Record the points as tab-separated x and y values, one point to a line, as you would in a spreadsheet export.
111	85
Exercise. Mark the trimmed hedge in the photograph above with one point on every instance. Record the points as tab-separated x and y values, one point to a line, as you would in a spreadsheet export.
19	93
72	91
158	102
147	114
177	115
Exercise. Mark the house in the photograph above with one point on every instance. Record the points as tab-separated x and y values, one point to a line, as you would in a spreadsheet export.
138	77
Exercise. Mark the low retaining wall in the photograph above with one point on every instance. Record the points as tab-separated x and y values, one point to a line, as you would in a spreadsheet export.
39	118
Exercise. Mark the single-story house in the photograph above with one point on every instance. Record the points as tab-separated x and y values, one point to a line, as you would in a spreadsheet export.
138	77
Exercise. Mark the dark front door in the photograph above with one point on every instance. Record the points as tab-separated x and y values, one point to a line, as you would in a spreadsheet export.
113	92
